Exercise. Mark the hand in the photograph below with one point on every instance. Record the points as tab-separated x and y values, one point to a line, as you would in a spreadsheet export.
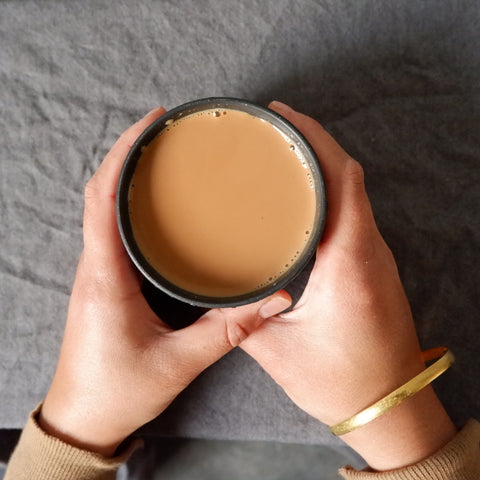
351	340
120	366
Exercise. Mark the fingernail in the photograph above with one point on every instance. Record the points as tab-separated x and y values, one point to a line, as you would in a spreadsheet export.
275	305
280	107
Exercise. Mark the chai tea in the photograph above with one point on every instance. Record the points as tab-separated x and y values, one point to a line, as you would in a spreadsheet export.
221	203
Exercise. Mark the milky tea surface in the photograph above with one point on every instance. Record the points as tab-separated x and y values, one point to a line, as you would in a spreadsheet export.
221	203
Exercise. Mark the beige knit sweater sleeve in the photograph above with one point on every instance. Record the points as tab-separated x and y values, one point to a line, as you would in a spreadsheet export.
458	460
39	456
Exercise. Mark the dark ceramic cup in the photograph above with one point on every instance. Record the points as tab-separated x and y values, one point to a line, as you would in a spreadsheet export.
303	262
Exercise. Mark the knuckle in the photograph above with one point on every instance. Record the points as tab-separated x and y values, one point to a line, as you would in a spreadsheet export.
354	172
235	332
91	189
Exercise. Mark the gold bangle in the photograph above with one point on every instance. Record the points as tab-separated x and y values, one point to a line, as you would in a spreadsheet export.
445	360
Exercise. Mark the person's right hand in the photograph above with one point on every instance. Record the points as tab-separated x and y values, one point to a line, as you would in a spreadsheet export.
351	339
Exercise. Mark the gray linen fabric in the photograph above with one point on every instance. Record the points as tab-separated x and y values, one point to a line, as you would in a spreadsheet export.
397	83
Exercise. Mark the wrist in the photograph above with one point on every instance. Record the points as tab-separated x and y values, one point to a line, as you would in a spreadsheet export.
407	434
444	360
78	429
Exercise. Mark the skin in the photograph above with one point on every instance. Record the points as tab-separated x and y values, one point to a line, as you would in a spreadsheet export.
120	366
348	342
351	338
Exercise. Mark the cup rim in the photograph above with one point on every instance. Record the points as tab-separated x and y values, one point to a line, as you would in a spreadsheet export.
127	172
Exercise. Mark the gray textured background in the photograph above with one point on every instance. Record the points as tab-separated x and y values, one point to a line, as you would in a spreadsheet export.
397	83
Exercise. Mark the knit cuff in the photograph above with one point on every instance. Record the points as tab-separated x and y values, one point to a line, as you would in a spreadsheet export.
458	460
40	456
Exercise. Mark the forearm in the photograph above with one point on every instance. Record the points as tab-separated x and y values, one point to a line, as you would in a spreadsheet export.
40	456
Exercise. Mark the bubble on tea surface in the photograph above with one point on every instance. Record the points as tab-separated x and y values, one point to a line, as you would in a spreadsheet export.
292	147
216	113
169	121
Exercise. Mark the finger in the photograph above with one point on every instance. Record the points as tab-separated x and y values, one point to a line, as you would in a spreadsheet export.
219	330
348	204
101	237
109	170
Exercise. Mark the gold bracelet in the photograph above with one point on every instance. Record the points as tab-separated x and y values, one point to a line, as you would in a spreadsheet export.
445	360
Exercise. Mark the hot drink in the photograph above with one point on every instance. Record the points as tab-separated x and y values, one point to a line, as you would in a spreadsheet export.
222	203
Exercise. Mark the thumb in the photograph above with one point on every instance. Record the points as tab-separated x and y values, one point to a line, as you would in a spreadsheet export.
220	330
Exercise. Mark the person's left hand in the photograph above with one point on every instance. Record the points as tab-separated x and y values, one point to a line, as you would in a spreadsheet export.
120	366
